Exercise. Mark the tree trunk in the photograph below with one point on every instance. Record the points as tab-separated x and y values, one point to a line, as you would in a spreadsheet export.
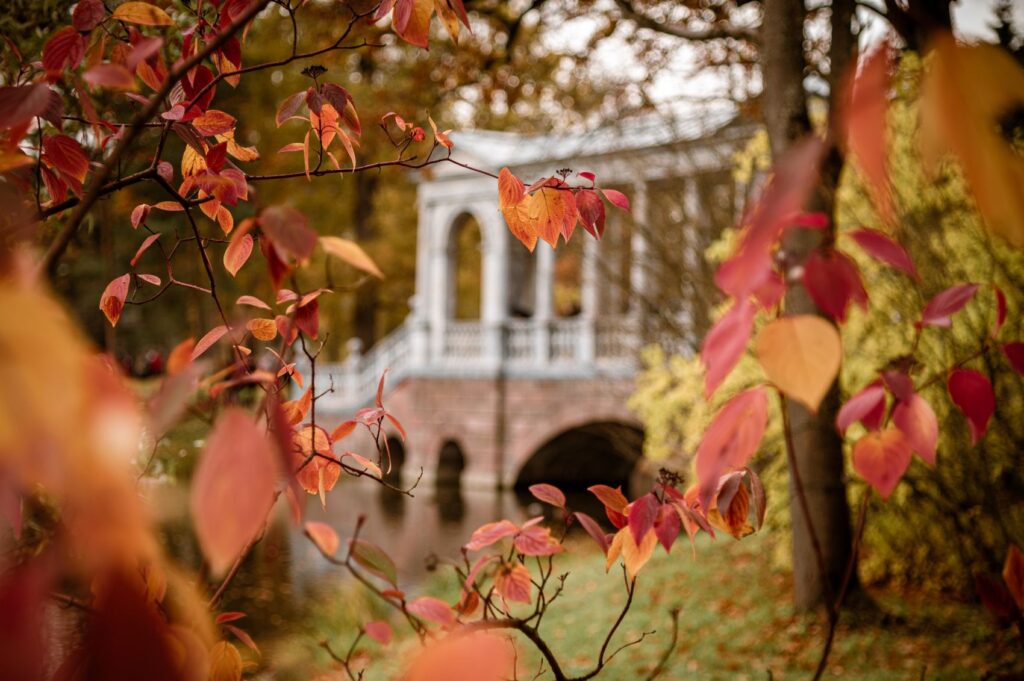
818	452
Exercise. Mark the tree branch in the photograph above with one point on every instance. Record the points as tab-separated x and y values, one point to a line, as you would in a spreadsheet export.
714	32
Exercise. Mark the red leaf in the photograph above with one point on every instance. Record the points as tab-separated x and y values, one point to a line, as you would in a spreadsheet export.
885	250
233	487
732	438
213	122
432	609
379	631
667	526
1013	574
113	296
139	214
211	337
288	107
1000	319
972	393
920	426
865	121
642	514
20	104
226	617
946	303
1015	355
87	15
237	253
549	494
66	155
534	540
145	245
995	596
512	582
289	232
307	318
833	281
617	199
882	458
591	210
114	76
216	155
724	344
899	384
771	291
867	406
243	637
485	535
66	47
611	498
594	530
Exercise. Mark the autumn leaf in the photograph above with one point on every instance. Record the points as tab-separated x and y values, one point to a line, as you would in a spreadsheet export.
884	249
724	344
289	232
967	91
351	253
66	155
411	20
489	533
731	440
379	631
65	48
208	339
972	394
864	119
142	13
1013	574
801	356
262	329
233	487
867	407
549	494
237	253
512	582
324	536
144	247
432	609
833	280
591	210
946	303
374	559
916	419
881	458
113	297
225	662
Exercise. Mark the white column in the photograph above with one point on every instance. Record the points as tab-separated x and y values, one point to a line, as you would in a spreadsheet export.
543	309
588	301
638	247
439	291
494	296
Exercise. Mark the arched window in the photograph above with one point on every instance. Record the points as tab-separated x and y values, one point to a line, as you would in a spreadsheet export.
450	463
465	263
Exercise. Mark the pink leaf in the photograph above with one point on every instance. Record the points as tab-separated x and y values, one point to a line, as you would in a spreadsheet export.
616	198
867	406
233	487
145	245
882	458
593	529
485	535
379	631
917	421
549	494
642	514
732	438
724	344
432	609
884	249
211	337
591	210
938	310
833	281
972	393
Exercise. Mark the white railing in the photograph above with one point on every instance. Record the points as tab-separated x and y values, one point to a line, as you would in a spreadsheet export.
572	347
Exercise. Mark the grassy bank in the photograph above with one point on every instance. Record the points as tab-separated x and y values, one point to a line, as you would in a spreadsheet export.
736	622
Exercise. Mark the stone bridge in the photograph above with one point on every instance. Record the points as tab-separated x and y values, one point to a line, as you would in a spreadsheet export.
515	367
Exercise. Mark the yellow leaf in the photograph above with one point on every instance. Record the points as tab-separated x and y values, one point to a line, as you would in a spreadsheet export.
225	663
801	356
262	329
635	556
967	92
350	252
142	13
615	549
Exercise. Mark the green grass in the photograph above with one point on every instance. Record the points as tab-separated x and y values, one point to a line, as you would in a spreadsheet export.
736	622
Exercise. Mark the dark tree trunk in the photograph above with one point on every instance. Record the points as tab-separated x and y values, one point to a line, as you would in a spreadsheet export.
817	447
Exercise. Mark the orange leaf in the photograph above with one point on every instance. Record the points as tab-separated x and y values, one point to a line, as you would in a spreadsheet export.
801	356
350	252
232	490
225	662
237	253
213	122
513	583
262	329
211	337
411	20
732	438
141	13
112	299
324	536
882	458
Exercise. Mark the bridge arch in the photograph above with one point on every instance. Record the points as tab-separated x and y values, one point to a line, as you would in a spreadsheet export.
593	451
